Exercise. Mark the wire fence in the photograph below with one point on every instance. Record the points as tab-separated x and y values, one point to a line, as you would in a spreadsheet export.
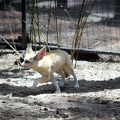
57	24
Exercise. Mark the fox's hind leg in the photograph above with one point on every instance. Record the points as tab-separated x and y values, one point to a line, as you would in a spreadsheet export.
69	69
76	84
62	82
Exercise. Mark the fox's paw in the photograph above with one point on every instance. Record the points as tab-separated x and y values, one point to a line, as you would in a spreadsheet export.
33	88
57	91
76	86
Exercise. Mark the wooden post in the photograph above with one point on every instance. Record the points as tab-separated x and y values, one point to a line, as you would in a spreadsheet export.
23	42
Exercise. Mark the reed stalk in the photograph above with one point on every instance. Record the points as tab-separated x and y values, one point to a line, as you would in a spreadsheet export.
56	21
86	8
38	23
9	23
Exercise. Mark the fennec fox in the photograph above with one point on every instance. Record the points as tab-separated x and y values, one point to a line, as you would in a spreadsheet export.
46	64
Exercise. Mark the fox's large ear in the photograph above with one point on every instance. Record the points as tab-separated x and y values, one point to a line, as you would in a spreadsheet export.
29	49
40	54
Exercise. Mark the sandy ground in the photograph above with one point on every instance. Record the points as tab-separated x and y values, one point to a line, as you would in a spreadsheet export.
98	97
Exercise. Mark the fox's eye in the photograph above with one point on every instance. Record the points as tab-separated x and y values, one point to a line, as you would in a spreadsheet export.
21	59
26	61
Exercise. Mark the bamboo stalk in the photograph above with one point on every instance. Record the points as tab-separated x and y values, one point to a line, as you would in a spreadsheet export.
85	10
58	35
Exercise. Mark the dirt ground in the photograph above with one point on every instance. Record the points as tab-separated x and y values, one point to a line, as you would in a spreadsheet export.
98	97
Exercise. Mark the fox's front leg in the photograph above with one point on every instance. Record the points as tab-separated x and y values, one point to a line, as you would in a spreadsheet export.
40	80
52	79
